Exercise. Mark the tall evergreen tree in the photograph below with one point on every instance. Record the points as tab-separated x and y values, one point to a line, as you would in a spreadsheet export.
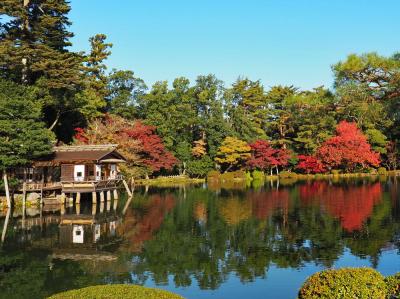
247	109
23	137
33	50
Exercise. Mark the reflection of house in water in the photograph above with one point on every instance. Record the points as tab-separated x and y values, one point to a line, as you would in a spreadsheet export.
87	235
87	229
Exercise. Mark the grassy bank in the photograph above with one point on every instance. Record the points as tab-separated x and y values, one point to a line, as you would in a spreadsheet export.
169	181
117	291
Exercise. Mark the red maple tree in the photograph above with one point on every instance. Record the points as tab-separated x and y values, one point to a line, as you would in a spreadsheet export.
310	164
349	149
153	152
264	156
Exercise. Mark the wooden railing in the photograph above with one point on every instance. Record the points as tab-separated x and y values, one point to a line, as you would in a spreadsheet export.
92	179
54	185
39	186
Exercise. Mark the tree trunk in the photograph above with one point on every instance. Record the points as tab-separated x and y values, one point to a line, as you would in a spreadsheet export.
3	234
5	179
55	121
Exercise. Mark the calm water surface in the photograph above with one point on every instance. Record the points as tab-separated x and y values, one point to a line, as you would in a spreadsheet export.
206	241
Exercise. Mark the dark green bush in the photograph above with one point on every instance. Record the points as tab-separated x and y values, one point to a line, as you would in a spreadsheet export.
345	283
117	291
393	285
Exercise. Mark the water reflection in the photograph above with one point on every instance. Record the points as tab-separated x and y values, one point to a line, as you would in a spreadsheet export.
194	239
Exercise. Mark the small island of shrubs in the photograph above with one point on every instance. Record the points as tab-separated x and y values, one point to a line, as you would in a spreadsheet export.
116	291
350	283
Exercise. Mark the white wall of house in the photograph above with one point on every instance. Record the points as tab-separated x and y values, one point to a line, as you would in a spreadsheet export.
79	173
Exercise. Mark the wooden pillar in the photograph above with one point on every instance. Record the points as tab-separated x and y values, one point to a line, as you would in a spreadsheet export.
108	205
94	208
78	208
62	209
101	206
63	198
115	194
94	198
127	188
109	195
102	196
78	198
115	204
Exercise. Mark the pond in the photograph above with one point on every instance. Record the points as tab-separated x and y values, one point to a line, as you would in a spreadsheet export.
202	241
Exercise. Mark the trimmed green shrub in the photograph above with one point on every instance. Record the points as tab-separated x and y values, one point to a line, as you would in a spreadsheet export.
345	283
287	175
258	175
382	171
227	176
393	285
239	175
117	291
213	175
335	171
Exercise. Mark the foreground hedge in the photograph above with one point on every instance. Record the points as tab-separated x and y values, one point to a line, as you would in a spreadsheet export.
345	283
118	291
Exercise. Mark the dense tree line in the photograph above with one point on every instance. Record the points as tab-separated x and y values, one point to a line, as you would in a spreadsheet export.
204	124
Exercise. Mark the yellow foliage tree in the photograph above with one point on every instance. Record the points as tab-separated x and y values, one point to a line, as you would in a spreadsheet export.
199	148
233	152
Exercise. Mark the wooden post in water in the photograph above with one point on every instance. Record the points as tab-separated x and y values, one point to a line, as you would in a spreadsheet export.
24	200
108	195
115	194
102	196
3	235
101	207
94	208
108	205
127	188
94	197
78	198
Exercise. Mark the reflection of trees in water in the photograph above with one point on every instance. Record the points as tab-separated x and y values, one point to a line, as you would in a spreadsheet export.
352	205
234	210
244	235
206	236
140	225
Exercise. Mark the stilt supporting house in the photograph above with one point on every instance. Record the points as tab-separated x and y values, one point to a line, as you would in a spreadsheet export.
76	170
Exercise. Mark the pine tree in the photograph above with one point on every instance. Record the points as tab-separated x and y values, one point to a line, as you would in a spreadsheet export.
33	51
23	137
93	96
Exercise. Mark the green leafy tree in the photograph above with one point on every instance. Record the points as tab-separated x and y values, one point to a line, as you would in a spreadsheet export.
34	45
247	109
278	116
95	89
124	91
23	137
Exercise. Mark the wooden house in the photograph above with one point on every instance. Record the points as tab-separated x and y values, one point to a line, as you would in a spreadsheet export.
75	170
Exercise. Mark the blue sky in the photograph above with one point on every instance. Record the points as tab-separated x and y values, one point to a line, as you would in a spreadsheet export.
290	42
